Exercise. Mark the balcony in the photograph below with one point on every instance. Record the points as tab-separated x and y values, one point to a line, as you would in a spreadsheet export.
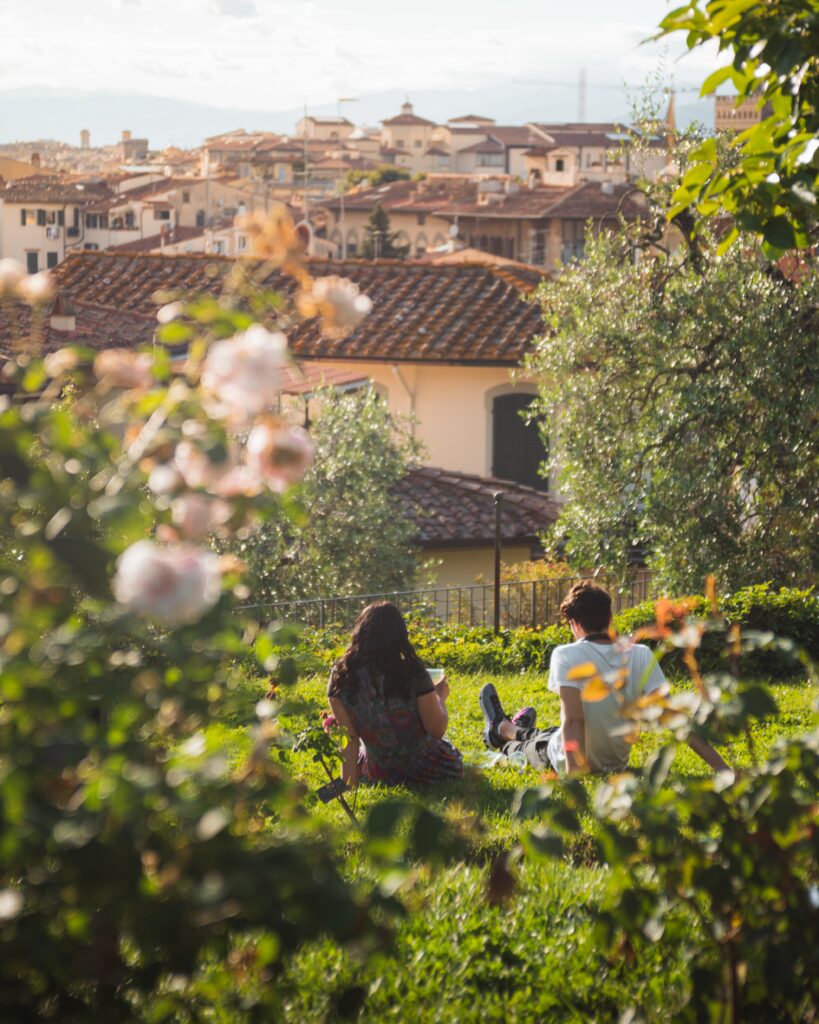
53	232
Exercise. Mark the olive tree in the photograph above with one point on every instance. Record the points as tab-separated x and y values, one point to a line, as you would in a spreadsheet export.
685	394
355	535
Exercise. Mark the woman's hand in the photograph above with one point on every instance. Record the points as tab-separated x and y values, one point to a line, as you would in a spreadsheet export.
442	689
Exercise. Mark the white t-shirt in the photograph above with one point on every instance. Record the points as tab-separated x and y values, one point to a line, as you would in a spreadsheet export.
606	751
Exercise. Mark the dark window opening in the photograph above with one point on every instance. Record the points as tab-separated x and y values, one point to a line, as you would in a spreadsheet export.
32	262
517	448
52	259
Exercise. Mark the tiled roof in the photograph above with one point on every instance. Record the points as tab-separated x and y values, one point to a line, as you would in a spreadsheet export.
96	327
513	135
411	196
590	200
580	201
484	146
173	237
470	117
43	190
407	119
462	314
458	510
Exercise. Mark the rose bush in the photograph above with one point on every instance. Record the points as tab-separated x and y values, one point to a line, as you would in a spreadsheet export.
129	850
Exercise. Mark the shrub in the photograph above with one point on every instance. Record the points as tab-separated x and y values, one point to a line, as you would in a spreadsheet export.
786	613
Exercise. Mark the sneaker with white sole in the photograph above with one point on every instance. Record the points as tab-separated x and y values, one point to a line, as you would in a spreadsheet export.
493	714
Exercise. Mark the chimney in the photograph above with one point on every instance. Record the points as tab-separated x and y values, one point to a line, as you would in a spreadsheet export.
63	318
126	136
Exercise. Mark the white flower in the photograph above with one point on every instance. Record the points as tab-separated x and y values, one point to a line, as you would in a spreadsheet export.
196	469
11	903
122	368
60	362
11	274
171	311
36	288
279	453
244	374
164	479
197	515
338	302
174	584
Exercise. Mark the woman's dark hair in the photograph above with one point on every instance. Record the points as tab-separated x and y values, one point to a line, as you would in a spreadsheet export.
380	641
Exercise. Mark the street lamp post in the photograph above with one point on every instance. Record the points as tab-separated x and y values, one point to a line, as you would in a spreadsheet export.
343	99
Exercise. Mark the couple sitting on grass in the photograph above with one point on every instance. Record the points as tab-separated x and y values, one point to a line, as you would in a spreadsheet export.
396	717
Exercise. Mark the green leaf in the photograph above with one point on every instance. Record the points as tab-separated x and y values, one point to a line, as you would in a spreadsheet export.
715	79
779	233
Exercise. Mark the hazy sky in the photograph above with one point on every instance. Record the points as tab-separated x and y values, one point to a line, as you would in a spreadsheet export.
277	54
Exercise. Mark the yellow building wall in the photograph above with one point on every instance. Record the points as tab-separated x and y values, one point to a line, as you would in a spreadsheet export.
459	567
452	407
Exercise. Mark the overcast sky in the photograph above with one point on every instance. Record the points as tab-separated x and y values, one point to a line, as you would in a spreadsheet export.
277	54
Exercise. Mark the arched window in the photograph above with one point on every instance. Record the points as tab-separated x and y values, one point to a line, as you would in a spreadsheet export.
352	242
421	244
517	448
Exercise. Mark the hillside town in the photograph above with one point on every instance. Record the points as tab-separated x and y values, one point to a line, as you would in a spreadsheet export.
468	215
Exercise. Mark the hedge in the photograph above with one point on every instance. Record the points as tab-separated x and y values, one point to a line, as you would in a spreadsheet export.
784	613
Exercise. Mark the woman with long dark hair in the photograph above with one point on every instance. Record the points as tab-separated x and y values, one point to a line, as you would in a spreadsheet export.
384	699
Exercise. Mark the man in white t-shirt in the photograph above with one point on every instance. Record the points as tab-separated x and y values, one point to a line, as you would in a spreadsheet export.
590	736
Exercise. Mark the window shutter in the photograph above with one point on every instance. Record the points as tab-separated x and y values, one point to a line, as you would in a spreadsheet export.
23	218
61	217
41	218
516	445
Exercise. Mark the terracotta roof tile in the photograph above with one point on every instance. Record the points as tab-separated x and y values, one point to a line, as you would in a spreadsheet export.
96	327
466	313
172	237
407	119
43	190
458	510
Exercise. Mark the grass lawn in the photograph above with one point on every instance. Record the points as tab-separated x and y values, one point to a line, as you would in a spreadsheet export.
456	958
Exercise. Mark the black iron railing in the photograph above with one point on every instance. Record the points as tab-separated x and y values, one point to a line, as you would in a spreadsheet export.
521	603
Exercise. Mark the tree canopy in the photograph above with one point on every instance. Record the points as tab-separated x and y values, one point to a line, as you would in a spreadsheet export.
685	393
379	241
771	188
355	539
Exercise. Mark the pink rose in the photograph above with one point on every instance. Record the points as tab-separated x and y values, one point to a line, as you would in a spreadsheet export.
279	453
196	515
174	585
122	368
338	302
243	375
35	289
11	274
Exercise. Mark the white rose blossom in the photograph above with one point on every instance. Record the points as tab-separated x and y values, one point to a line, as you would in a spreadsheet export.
279	453
122	368
175	584
11	274
164	479
35	289
338	302
197	515
242	376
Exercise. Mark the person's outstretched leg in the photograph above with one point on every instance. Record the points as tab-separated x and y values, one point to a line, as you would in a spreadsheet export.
502	733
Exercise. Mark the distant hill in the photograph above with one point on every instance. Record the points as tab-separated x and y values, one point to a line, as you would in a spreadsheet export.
42	113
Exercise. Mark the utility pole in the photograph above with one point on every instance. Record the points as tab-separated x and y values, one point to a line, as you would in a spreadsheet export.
343	99
581	97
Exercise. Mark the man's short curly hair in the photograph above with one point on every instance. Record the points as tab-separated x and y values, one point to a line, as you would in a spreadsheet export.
589	605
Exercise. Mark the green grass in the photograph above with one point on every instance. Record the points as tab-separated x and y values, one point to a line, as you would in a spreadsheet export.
489	791
455	957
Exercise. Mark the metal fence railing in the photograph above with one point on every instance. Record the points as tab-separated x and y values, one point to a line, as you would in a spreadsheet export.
522	603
